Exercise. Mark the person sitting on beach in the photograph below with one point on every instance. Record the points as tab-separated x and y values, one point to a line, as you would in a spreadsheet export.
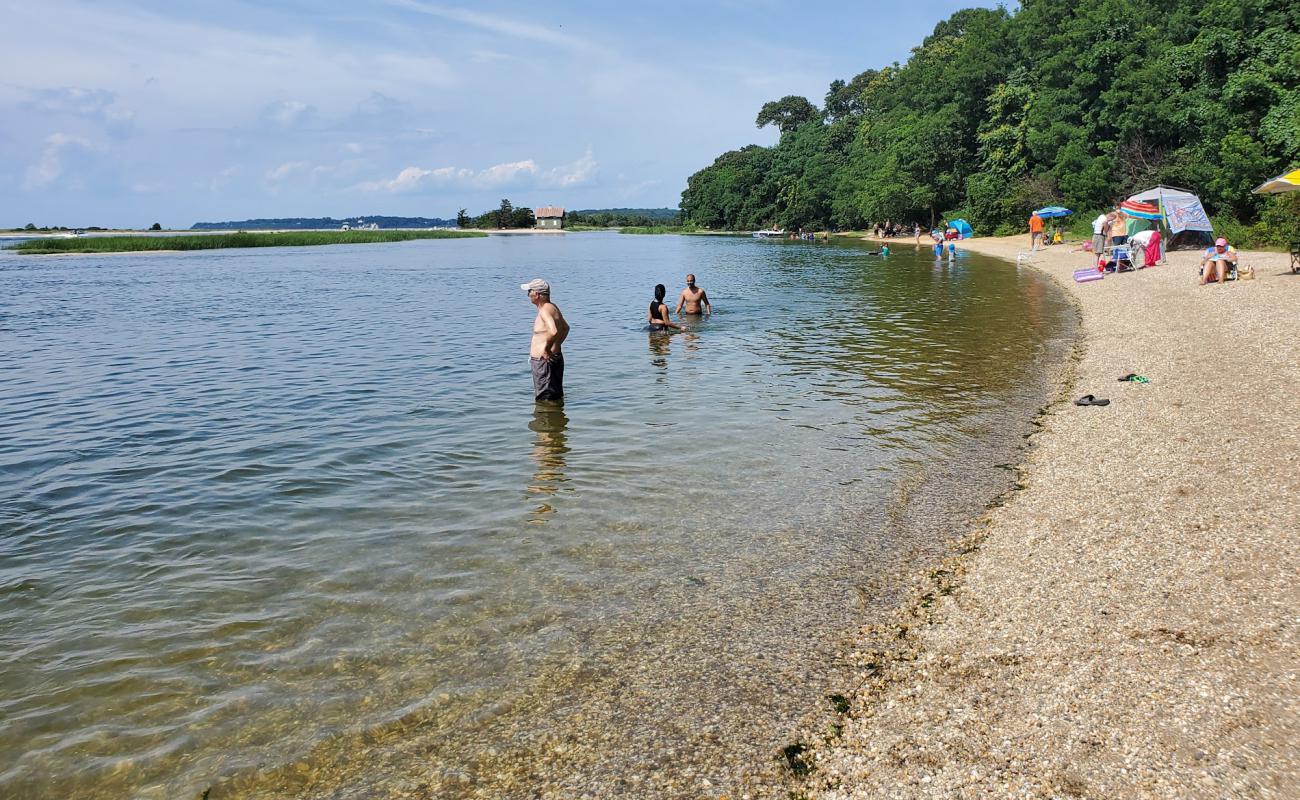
694	299
1216	259
657	316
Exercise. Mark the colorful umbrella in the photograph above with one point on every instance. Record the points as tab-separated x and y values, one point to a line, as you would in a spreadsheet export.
963	228
1053	211
1288	182
1133	208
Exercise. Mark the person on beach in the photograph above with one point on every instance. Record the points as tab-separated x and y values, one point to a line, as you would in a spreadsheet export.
549	332
916	231
1216	259
694	299
657	315
1099	232
1035	231
1118	229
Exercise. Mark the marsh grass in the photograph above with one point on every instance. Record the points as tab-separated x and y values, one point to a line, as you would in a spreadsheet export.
215	241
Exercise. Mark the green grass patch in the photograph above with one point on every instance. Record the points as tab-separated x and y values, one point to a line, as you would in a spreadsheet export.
216	241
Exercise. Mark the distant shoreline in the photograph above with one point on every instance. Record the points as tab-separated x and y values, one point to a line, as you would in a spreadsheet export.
60	245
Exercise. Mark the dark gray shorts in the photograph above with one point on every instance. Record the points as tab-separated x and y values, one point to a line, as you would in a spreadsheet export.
548	378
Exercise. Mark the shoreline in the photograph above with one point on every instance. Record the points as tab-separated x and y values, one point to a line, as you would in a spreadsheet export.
1122	623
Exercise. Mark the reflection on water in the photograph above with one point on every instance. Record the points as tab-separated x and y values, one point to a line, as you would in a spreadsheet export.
549	448
271	518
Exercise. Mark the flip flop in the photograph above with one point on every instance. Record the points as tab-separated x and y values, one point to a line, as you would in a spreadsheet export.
1133	377
1089	400
1129	376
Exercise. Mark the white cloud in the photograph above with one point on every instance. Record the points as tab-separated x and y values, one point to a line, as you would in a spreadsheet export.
287	113
512	26
286	170
97	105
415	178
49	168
505	174
575	174
525	173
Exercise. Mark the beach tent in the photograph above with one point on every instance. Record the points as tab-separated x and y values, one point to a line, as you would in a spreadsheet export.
1181	215
1053	211
1182	210
963	228
1286	182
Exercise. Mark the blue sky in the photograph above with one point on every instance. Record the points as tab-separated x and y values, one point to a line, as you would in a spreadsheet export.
129	113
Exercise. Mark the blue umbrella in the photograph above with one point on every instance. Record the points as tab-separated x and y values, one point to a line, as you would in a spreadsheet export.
1053	211
963	228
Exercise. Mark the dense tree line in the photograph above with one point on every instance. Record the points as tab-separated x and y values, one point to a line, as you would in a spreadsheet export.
623	217
507	215
1077	102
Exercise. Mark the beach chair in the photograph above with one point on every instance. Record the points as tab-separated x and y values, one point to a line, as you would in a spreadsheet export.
1120	256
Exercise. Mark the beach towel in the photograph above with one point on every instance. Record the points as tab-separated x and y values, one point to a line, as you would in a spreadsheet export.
1152	254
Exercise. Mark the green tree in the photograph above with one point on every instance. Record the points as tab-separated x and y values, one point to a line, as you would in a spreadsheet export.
505	214
787	113
155	227
462	219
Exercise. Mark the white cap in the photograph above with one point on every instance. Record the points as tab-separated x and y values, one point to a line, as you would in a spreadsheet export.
536	285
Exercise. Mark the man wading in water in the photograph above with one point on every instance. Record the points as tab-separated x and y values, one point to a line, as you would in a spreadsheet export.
692	298
549	332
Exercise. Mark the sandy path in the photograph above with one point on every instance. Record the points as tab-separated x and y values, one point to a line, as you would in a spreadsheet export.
1126	626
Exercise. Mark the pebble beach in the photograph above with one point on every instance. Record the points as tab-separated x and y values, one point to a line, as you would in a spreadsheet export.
1123	624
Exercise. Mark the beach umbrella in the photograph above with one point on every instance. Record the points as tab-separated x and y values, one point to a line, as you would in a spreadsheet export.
963	228
1287	182
1140	210
1053	211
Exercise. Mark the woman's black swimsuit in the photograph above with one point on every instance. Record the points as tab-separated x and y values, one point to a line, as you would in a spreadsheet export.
656	323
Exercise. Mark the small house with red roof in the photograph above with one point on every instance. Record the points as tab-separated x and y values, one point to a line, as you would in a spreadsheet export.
550	217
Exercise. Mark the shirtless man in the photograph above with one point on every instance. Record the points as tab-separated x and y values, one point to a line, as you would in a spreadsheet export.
549	332
693	297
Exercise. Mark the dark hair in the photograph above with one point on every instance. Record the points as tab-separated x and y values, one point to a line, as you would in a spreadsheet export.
660	291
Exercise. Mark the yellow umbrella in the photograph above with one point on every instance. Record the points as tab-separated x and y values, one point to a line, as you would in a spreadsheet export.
1287	182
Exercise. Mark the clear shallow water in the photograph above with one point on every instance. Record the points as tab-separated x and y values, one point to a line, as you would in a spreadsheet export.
285	507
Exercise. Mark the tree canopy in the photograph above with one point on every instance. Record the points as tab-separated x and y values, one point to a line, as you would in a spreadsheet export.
1076	102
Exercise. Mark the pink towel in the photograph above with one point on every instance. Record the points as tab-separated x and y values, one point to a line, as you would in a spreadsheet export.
1153	250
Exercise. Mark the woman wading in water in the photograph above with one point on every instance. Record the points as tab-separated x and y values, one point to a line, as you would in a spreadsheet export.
657	316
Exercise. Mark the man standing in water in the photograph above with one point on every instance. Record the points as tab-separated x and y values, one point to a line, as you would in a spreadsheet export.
549	332
693	298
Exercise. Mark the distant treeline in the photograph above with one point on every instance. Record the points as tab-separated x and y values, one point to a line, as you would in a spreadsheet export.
322	223
624	217
210	241
1071	102
507	215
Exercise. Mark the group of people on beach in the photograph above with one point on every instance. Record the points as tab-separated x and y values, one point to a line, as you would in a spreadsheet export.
545	354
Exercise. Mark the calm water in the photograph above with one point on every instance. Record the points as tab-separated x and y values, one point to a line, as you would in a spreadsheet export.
287	522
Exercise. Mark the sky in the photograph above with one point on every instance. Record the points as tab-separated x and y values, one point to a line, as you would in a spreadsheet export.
123	114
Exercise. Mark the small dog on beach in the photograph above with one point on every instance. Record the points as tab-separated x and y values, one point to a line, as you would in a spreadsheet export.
1246	274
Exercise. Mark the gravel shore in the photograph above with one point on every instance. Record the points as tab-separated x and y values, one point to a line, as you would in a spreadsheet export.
1125	624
